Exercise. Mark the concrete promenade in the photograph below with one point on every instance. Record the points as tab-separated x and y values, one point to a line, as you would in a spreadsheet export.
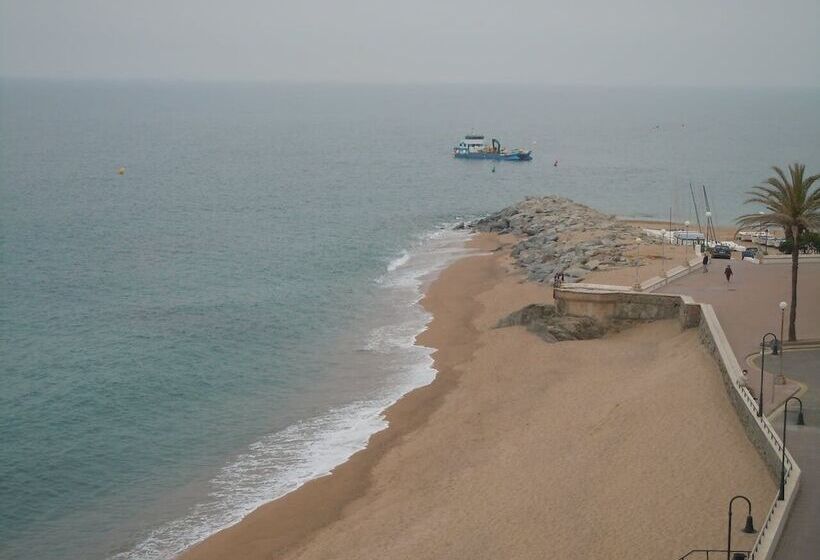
748	308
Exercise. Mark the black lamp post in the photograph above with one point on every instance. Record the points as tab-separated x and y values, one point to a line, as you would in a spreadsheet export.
749	528
762	362
800	422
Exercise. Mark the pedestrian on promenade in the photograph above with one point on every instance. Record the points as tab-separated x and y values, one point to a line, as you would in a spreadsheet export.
705	262
728	273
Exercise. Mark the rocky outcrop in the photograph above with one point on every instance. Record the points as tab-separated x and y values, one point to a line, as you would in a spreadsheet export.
545	321
559	235
553	326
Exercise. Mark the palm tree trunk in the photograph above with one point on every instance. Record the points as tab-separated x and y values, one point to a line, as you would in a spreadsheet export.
795	260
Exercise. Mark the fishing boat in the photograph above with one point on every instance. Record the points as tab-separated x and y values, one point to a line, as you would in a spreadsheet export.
474	147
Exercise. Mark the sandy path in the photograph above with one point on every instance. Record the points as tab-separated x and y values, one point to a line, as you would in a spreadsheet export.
523	449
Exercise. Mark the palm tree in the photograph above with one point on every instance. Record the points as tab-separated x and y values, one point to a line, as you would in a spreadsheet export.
792	205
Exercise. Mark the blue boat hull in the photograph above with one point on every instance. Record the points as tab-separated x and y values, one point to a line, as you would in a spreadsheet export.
516	156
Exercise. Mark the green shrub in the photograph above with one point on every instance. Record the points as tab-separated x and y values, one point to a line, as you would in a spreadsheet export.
809	242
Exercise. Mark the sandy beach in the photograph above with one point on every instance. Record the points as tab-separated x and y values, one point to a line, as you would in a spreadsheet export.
524	449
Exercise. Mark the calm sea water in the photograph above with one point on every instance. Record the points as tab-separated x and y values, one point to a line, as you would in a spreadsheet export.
228	318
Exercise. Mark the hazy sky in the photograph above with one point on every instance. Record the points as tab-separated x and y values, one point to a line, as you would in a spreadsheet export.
655	42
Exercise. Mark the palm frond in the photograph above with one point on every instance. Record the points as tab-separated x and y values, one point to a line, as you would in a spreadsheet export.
789	200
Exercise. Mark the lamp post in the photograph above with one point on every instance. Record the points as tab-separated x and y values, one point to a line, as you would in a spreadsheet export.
685	245
637	285
708	226
762	362
781	380
800	422
749	528
663	258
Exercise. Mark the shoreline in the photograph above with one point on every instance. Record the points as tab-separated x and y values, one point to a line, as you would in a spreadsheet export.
465	300
320	501
650	266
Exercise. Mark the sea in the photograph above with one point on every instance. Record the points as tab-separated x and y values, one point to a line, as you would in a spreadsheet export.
209	293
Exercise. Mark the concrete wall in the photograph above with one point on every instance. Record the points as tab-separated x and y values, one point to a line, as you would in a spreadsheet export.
608	305
715	342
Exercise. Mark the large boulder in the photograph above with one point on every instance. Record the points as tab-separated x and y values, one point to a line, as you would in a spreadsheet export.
545	321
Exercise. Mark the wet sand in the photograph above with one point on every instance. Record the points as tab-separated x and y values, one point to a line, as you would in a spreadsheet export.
523	449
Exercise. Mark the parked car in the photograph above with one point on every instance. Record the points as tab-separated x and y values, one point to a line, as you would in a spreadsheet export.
751	252
721	252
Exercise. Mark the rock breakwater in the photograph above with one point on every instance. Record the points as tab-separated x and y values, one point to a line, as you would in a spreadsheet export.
558	235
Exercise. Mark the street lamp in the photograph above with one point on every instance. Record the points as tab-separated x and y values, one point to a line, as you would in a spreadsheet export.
663	258
762	362
637	286
781	380
749	528
800	422
685	245
708	224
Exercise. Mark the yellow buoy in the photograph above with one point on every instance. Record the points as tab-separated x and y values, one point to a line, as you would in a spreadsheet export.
121	171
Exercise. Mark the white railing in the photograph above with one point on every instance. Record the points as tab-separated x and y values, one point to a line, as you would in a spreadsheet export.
772	527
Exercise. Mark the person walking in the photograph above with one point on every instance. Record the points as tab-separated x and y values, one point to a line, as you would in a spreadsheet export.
705	262
728	273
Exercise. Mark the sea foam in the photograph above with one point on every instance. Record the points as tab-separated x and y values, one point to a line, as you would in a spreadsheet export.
285	460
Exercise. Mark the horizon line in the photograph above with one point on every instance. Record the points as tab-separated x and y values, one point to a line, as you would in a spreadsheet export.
418	83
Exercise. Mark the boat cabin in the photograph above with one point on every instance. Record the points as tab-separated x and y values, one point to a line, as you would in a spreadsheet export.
472	143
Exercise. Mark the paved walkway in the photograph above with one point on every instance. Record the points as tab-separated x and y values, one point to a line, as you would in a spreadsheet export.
748	308
800	539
